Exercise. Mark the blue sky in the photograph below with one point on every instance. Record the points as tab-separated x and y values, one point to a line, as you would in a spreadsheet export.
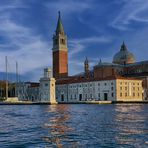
95	28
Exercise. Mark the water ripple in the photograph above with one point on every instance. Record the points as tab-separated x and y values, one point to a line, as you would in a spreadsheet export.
70	126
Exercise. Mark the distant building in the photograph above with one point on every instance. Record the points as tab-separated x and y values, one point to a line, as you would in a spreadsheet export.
11	89
124	66
28	91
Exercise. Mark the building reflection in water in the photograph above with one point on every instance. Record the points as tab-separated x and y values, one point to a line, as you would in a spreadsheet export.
59	132
130	124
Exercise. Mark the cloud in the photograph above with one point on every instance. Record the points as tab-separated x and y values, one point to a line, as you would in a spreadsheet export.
78	45
69	6
132	10
12	5
31	50
21	43
24	45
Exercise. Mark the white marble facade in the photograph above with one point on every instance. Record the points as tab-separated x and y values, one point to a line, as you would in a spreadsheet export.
47	87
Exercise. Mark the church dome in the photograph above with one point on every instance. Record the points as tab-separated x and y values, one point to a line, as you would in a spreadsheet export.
123	56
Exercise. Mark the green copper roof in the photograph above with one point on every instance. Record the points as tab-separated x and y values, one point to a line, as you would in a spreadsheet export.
60	28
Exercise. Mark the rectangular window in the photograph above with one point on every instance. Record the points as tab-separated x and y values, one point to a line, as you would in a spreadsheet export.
112	88
46	84
86	96
120	94
99	95
75	97
112	94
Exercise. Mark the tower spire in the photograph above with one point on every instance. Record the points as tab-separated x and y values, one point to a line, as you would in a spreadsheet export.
59	14
86	61
123	47
123	43
86	66
59	29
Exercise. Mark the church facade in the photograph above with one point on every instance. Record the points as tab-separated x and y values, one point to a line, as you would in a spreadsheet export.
124	67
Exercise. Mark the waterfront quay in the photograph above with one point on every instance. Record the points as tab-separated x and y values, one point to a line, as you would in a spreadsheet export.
82	102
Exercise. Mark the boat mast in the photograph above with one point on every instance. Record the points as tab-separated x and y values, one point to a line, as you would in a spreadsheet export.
16	87
6	77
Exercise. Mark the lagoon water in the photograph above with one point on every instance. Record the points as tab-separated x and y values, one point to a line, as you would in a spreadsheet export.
78	125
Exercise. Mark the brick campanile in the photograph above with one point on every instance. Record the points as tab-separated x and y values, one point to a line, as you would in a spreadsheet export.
60	52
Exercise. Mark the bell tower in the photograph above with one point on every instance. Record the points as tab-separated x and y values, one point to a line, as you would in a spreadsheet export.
60	52
86	67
